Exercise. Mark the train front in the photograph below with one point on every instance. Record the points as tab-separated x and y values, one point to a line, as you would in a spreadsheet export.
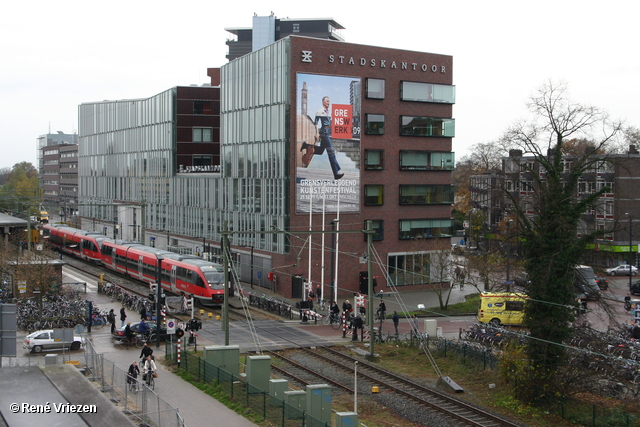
214	278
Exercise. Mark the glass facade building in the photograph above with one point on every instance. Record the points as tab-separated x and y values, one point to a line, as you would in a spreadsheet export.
252	155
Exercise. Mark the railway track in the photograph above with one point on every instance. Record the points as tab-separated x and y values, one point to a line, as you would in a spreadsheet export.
328	362
457	411
303	370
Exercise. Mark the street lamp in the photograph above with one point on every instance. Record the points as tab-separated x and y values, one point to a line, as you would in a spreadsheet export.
333	259
251	266
508	282
158	298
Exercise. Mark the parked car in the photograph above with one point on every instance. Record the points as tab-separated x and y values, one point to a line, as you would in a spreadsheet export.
634	289
622	270
118	334
603	283
38	341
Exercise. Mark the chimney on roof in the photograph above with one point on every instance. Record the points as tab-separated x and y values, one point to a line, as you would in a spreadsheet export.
633	149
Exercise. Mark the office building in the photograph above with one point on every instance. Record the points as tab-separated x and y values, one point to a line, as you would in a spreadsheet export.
275	179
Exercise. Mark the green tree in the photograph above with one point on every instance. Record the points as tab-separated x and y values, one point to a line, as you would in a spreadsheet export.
550	242
21	189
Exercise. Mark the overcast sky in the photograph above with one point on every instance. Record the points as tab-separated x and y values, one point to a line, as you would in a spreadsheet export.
55	55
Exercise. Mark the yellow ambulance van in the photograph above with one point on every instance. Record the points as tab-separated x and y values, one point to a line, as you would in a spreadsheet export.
502	308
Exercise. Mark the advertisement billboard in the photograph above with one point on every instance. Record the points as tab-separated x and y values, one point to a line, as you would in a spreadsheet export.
327	143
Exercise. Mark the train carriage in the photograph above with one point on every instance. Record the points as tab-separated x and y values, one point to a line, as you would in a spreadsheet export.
114	253
83	244
186	274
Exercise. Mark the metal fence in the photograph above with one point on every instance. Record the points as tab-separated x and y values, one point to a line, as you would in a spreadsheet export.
272	409
141	404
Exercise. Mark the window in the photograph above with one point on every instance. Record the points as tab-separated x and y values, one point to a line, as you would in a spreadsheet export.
409	268
426	160
426	126
202	134
425	228
375	124
426	194
373	195
201	107
427	92
202	160
378	226
374	159
375	88
514	305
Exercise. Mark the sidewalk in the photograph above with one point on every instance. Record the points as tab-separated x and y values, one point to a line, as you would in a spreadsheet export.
196	408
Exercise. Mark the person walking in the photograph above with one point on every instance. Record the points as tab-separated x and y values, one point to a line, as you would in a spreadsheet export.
111	317
123	316
128	333
414	322
319	294
396	321
382	311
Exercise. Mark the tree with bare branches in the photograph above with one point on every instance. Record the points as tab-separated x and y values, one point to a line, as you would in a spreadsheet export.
551	244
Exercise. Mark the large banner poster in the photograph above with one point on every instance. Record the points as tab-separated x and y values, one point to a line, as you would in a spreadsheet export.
327	144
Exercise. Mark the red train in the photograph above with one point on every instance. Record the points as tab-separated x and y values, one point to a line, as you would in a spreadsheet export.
83	244
180	273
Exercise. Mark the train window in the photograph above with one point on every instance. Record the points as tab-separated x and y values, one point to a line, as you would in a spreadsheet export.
215	279
199	281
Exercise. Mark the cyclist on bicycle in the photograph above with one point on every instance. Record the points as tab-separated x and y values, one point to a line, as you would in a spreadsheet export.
143	328
334	311
149	368
133	372
146	352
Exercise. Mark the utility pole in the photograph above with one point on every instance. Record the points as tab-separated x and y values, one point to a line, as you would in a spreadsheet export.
225	266
158	298
369	232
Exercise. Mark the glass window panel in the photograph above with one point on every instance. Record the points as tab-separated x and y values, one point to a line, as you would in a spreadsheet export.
373	195
426	126
427	92
375	124
414	160
374	159
443	161
426	228
426	194
378	226
375	88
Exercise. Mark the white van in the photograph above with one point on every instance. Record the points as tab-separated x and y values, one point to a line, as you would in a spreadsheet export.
585	282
